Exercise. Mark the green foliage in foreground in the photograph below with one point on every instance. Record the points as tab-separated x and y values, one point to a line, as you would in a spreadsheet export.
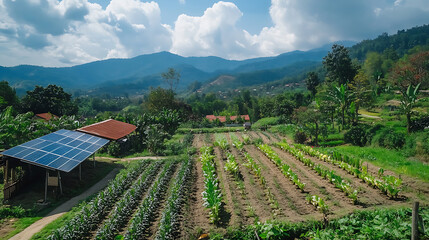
379	224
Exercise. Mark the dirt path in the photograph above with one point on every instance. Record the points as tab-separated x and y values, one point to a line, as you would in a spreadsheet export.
64	208
132	159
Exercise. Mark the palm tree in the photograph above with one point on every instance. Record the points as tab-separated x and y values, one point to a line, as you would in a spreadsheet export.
341	97
408	98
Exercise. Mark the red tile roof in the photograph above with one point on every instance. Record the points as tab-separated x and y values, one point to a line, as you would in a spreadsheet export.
110	129
46	116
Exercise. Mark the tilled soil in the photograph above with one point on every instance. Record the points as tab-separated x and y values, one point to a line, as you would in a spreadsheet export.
290	199
254	193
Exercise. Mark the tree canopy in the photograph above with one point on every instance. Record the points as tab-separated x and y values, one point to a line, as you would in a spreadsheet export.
51	99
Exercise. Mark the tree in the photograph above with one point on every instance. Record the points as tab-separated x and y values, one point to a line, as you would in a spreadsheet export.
160	99
341	96
51	99
310	119
411	70
312	82
361	89
408	98
339	65
172	78
7	96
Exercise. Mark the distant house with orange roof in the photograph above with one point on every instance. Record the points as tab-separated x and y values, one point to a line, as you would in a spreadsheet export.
46	116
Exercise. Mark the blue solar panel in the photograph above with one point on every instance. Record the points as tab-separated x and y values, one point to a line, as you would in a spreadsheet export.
62	150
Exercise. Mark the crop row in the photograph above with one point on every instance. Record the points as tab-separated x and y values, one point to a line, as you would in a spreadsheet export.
170	221
256	169
387	184
324	172
231	165
286	170
93	212
221	141
236	142
212	194
124	207
146	212
318	202
252	165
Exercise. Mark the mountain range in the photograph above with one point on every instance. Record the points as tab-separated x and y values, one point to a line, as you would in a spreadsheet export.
136	75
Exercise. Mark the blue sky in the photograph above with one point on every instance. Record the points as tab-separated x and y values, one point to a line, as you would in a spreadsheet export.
70	32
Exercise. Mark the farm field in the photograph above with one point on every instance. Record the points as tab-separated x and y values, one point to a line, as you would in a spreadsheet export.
247	199
236	179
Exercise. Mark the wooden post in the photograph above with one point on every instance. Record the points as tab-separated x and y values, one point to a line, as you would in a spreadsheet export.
93	159
80	172
46	185
415	222
6	171
59	182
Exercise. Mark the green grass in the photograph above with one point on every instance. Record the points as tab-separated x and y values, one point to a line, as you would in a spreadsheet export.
19	225
388	159
284	129
268	121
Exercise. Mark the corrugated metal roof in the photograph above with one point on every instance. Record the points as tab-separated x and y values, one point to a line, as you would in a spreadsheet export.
110	129
46	116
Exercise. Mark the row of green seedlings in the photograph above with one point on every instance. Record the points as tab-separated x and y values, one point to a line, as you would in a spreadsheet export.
145	214
231	164
212	194
170	221
124	208
389	185
252	165
285	169
93	212
324	172
318	202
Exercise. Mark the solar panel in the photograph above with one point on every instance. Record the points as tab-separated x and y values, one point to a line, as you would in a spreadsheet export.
62	150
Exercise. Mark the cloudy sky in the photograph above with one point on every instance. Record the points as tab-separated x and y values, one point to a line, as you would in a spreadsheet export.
71	32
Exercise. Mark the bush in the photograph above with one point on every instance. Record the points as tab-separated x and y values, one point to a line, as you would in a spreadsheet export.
388	138
114	149
356	135
300	137
419	123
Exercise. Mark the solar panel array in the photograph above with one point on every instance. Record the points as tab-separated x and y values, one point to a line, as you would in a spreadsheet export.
62	150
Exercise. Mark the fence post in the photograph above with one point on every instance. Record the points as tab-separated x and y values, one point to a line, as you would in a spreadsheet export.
415	222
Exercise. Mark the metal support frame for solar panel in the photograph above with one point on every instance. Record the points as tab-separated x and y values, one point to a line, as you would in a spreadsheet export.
62	150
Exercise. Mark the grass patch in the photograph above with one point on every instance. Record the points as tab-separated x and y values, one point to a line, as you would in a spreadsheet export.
19	225
268	121
388	159
287	130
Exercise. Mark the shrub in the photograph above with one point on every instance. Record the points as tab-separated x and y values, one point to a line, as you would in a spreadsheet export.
300	137
356	135
419	123
114	149
388	138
